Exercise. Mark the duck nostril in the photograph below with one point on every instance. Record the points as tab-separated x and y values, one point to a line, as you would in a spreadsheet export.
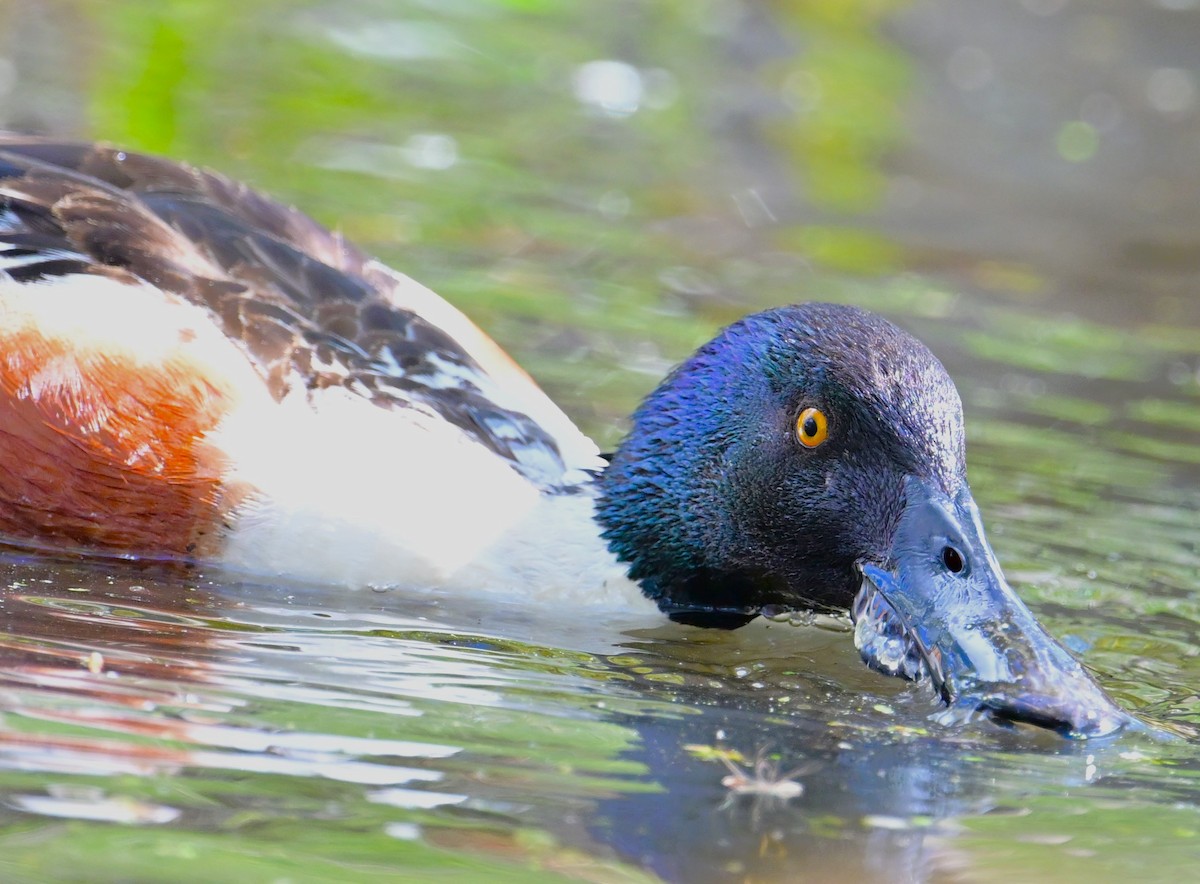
953	560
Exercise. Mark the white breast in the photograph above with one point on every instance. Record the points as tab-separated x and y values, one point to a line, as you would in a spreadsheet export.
341	492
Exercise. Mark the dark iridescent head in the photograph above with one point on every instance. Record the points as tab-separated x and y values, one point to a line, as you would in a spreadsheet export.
794	453
719	501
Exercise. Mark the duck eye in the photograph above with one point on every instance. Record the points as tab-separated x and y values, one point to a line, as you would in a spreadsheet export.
953	560
811	427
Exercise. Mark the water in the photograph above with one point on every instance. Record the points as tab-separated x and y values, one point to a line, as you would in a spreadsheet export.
601	185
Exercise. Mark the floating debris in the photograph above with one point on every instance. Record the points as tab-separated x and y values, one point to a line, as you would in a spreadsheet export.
764	780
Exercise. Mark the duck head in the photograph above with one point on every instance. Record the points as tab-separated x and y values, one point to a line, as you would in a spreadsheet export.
813	457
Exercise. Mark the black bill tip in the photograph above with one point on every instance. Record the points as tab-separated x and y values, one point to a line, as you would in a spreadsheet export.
943	610
1009	670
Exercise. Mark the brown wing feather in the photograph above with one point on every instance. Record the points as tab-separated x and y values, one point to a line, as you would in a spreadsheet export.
306	306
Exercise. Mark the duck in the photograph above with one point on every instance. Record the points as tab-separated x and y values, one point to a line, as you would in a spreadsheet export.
194	373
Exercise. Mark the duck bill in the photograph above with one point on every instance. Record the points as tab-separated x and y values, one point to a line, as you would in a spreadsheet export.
942	608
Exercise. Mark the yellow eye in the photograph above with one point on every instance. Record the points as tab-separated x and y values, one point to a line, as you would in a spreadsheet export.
811	427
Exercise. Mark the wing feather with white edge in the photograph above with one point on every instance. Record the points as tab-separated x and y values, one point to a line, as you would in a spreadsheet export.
309	310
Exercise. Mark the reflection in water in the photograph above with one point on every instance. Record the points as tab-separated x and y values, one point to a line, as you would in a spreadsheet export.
416	723
600	191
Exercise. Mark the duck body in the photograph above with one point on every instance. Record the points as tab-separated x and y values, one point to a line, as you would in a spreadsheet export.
191	372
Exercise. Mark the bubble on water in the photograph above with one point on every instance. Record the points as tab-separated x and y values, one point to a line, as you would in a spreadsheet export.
614	205
430	150
1077	141
802	91
776	613
891	652
970	68
661	90
863	633
403	831
398	40
1044	7
612	87
1171	90
8	76
1101	110
802	618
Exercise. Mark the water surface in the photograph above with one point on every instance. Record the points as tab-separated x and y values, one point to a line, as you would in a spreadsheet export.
601	185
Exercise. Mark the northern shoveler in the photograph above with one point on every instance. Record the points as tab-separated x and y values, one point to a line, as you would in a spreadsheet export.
190	371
